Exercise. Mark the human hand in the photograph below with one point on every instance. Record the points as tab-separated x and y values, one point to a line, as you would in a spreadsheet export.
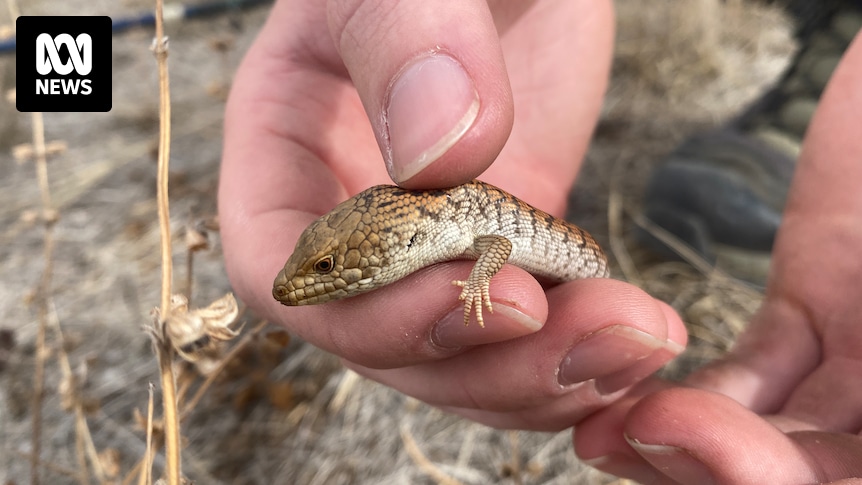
298	141
785	406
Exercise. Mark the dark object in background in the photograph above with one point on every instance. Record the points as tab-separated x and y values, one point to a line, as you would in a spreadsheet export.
723	192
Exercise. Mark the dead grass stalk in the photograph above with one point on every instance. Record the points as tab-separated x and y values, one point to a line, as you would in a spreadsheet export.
163	348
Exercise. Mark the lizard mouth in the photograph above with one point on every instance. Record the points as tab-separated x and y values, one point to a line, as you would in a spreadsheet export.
303	290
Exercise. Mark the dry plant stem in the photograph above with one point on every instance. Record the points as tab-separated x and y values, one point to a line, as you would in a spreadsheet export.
190	264
422	461
615	227
80	450
38	393
182	387
146	471
348	382
143	467
165	352
682	249
83	439
138	470
42	294
83	472
516	458
84	445
161	52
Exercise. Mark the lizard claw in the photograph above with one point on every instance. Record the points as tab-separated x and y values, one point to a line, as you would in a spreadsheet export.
471	295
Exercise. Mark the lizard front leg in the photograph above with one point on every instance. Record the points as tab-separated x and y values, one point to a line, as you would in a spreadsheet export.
492	252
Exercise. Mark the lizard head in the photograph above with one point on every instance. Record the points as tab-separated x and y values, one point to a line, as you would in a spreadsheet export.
337	256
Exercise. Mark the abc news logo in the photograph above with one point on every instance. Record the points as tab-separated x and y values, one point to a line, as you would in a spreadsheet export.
48	60
63	64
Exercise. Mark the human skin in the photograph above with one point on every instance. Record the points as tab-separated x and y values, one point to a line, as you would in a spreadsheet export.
298	140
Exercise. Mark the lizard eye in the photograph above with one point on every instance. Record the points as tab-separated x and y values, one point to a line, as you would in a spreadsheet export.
324	264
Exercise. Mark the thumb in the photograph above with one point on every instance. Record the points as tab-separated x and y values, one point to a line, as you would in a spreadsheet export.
433	82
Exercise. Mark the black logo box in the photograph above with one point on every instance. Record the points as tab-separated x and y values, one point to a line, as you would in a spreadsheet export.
28	28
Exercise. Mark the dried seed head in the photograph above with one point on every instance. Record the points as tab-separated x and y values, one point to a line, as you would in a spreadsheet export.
197	334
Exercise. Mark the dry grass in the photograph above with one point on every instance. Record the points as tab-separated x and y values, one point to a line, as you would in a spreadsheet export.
270	411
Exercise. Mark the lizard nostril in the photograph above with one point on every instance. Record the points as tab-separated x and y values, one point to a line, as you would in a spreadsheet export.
280	279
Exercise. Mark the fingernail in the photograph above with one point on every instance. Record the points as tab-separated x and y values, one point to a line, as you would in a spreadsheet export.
605	352
503	324
430	106
674	462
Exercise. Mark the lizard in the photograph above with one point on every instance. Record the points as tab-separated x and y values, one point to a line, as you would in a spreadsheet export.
387	232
